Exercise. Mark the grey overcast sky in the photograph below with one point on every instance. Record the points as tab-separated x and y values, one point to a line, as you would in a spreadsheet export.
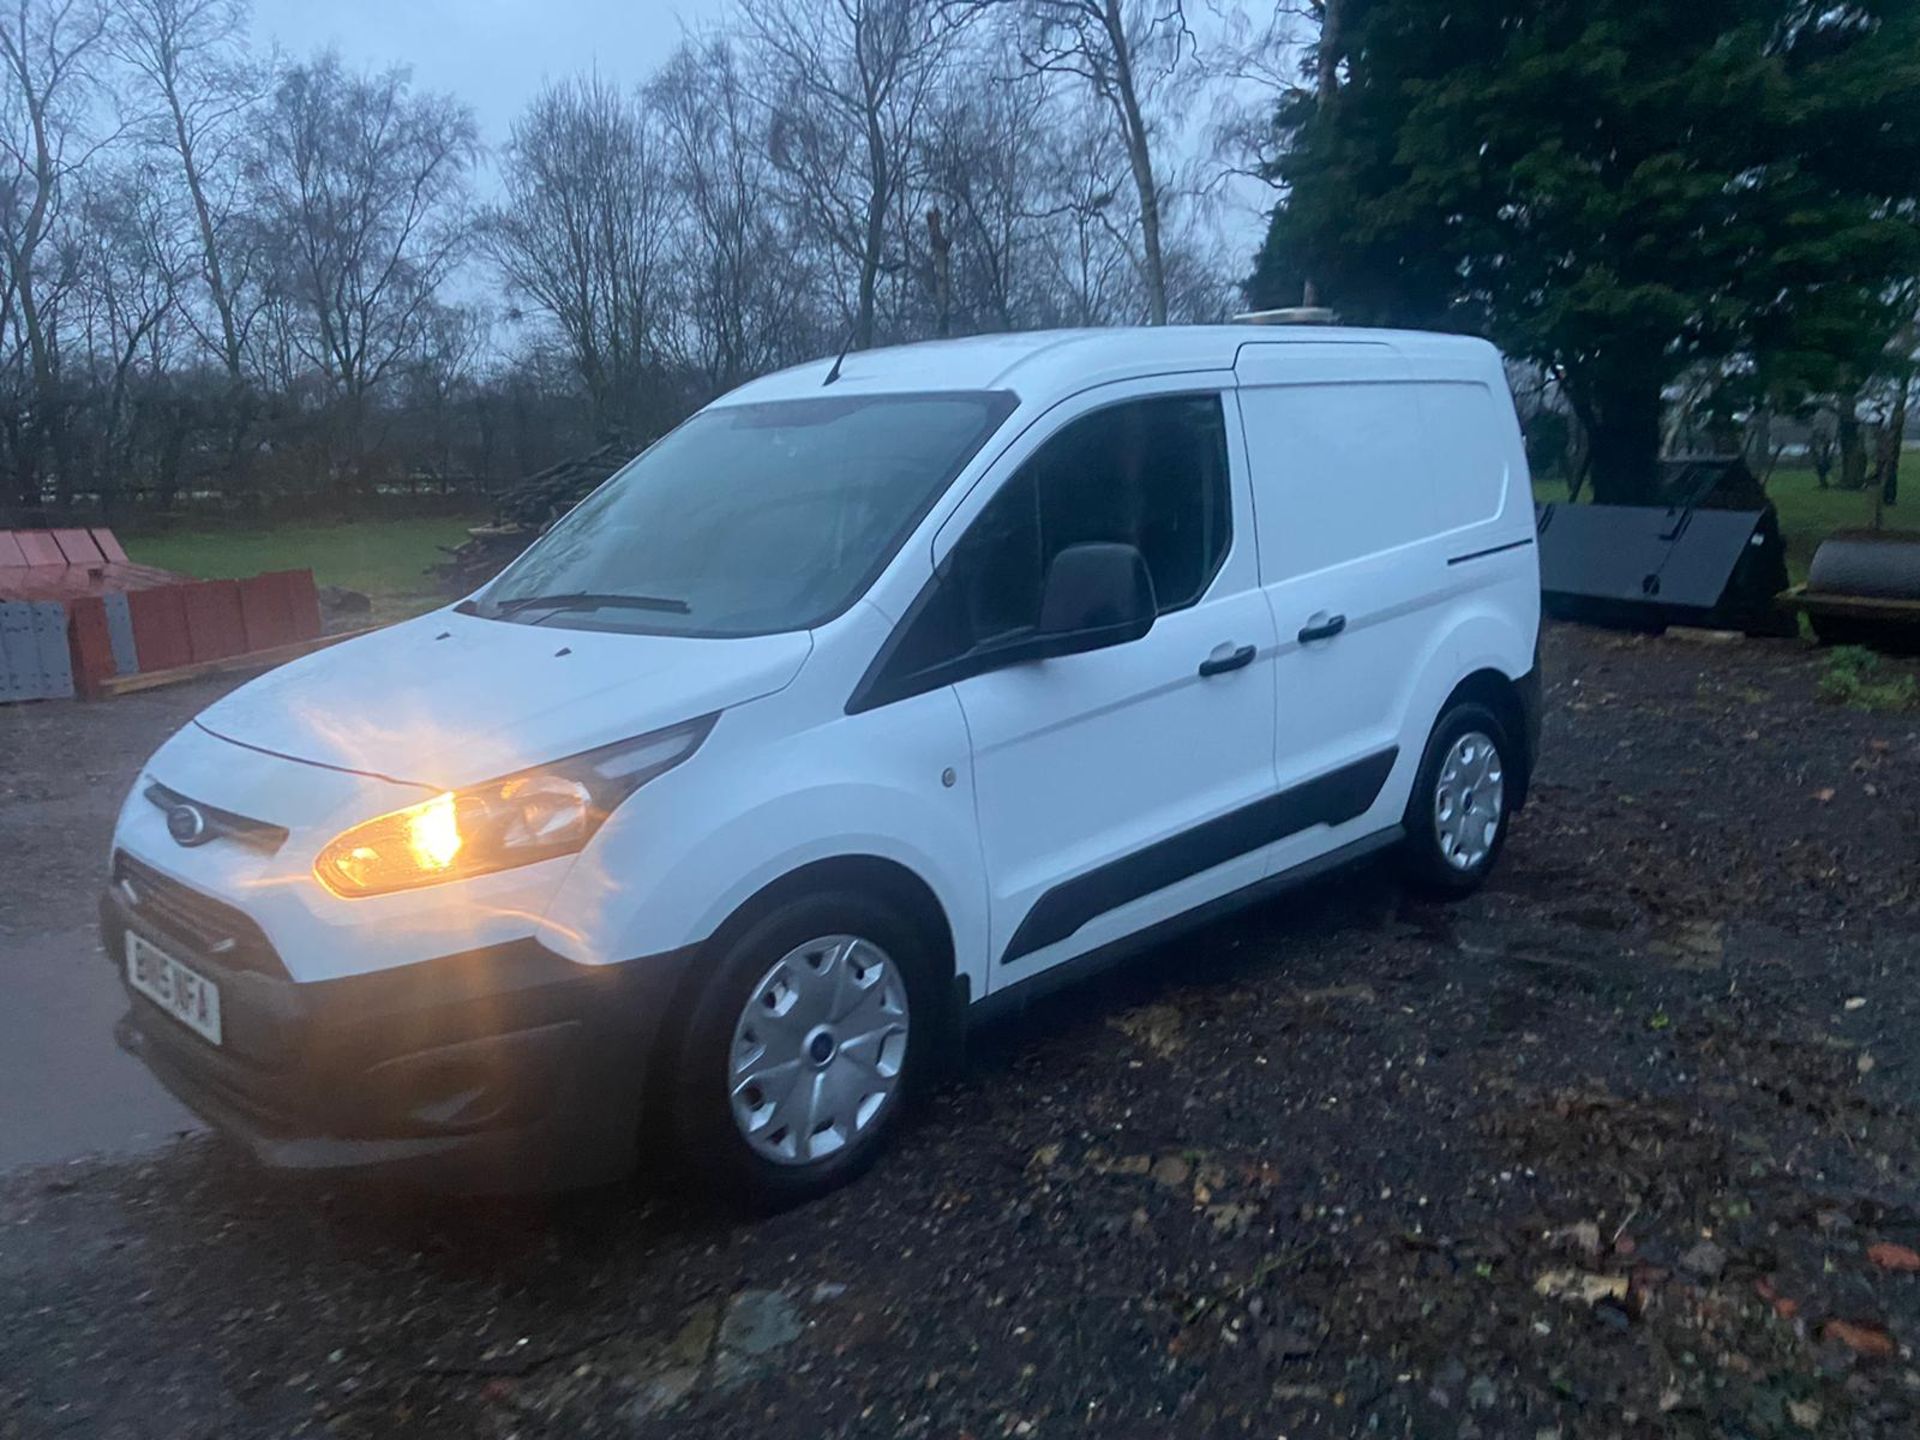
493	54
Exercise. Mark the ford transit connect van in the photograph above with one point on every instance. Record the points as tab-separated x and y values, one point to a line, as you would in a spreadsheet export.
863	703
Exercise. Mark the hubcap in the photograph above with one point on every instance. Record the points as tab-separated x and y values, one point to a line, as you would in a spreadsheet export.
818	1049
1469	801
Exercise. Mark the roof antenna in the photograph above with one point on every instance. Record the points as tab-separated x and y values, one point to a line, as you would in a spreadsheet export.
838	360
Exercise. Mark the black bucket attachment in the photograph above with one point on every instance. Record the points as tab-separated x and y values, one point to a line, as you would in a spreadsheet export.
1647	567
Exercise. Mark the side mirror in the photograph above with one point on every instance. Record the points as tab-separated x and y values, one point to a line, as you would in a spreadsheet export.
1095	596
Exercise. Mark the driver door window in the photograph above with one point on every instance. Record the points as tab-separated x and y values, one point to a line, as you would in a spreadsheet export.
1150	473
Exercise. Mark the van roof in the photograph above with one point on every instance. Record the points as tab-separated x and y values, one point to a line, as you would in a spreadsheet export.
1040	364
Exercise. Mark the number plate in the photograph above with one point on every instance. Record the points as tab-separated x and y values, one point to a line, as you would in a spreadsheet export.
190	998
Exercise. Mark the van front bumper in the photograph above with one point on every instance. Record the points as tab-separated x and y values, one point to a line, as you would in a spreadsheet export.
503	1069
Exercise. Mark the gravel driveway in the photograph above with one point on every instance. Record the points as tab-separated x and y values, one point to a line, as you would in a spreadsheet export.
1625	1145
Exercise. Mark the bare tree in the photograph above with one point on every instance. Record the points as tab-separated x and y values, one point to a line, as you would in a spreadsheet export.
135	258
1094	277
456	337
1125	52
992	161
584	234
49	50
263	276
749	291
849	82
201	90
363	185
1254	60
148	402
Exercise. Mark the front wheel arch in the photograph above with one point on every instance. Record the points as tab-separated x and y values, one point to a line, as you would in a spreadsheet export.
882	879
708	1144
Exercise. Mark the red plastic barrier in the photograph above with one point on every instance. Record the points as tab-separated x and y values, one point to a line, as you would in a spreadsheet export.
303	599
39	548
90	644
174	625
160	627
11	555
110	546
77	547
266	611
215	630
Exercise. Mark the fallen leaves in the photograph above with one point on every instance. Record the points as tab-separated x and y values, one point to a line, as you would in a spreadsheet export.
1231	1220
1783	1305
1580	1285
1804	1413
1207	1178
1171	1171
1582	1239
1868	1341
1898	1258
1157	1027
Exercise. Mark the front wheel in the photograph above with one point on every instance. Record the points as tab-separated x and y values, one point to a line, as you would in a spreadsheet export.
1456	820
802	1051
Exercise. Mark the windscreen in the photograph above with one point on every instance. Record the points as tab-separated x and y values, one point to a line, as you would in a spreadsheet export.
750	519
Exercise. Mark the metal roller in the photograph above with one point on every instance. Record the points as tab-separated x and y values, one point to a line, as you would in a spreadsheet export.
1864	562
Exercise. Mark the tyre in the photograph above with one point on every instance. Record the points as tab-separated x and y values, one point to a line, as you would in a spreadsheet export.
809	1041
1462	800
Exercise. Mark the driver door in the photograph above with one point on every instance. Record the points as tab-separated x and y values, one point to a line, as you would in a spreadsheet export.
1112	788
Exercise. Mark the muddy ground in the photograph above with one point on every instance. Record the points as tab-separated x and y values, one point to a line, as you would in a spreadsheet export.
1623	1146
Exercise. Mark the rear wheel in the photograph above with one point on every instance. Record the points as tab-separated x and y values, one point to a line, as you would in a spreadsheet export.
807	1044
1456	820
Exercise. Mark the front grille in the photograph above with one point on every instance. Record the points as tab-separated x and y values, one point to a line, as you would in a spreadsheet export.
198	924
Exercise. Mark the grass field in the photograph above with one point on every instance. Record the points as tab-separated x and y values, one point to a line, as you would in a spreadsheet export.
384	559
1809	514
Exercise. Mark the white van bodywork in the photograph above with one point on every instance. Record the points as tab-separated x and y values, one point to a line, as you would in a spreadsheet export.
1369	561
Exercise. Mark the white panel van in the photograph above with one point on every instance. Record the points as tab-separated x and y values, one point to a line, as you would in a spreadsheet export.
862	704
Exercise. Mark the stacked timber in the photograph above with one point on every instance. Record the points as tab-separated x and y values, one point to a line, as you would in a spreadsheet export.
523	514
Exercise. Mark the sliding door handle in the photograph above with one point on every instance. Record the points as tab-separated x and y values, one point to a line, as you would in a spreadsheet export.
1224	660
1323	629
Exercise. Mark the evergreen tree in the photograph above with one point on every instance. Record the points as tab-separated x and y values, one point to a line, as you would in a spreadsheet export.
1615	189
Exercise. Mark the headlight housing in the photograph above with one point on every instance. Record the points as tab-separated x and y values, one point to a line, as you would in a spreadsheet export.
517	820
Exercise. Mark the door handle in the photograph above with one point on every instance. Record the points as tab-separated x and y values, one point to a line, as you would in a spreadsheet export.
1325	630
1224	660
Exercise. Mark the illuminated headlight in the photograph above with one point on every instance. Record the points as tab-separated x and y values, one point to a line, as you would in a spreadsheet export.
534	815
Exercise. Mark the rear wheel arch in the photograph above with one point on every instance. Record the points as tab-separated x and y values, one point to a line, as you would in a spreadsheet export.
1501	695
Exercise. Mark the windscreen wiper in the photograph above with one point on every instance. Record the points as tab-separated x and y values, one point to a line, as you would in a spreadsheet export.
586	600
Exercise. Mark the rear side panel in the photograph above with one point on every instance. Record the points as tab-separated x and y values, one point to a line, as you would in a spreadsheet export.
1394	503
